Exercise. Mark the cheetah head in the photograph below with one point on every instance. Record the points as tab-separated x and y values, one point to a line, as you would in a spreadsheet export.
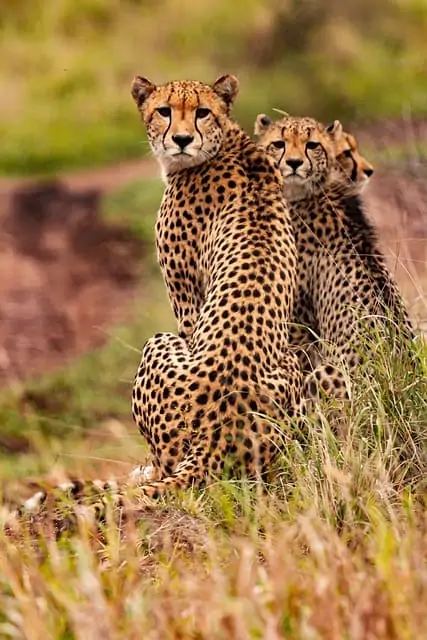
185	120
303	150
353	164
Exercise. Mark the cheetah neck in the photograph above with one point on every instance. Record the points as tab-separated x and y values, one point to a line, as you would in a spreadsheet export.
235	140
337	206
334	186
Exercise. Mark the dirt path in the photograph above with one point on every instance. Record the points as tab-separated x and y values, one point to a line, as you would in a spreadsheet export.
66	275
104	179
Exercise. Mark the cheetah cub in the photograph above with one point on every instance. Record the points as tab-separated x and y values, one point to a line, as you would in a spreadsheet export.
354	166
344	289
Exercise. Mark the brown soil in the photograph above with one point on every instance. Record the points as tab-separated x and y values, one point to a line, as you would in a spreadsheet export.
106	179
66	276
405	131
397	202
398	206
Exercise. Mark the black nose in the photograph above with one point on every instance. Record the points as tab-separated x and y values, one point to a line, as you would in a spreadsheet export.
294	163
368	172
182	140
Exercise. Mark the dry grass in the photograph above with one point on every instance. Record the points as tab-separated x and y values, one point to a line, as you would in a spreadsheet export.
269	569
335	549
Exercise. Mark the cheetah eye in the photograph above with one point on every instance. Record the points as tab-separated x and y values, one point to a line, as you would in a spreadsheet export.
347	153
165	112
278	144
312	144
202	112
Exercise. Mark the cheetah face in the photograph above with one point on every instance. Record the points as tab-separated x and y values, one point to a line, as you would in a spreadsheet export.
185	120
355	166
301	148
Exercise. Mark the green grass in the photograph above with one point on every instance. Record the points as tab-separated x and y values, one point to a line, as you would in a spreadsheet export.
67	143
409	159
66	67
134	205
62	409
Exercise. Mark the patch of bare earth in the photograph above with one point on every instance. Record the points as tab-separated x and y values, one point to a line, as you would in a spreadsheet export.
397	204
396	201
66	276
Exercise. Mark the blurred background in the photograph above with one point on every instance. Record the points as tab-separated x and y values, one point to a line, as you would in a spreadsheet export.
80	289
66	66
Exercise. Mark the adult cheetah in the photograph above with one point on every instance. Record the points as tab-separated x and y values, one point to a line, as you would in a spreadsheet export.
343	285
215	395
213	398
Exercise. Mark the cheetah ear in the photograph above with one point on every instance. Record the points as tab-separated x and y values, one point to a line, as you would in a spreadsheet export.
335	129
227	87
141	89
262	123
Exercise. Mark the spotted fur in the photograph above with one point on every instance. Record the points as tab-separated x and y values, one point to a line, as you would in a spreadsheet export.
215	397
346	150
344	288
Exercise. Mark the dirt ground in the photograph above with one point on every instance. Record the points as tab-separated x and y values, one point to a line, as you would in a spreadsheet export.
397	204
66	275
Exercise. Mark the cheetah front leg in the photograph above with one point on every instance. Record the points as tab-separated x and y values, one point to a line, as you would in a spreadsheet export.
287	380
283	386
143	473
186	299
189	473
186	319
159	403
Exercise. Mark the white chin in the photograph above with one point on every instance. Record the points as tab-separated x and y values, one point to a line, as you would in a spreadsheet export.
179	162
295	187
294	178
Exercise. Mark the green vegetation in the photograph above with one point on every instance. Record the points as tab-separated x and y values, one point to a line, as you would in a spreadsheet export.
63	410
135	205
409	159
66	66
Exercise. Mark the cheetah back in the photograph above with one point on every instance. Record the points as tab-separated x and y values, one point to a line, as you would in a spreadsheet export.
227	253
